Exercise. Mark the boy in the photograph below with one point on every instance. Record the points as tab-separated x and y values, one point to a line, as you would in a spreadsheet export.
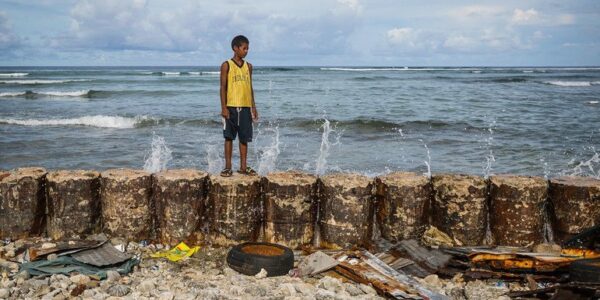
237	104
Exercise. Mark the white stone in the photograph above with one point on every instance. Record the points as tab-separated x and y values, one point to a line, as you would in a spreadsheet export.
112	276
146	286
262	274
367	289
4	293
48	245
80	279
166	296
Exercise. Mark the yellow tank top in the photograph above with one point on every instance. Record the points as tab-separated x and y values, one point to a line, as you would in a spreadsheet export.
239	88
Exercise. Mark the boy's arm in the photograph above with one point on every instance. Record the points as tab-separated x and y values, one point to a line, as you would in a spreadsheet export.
254	112
223	92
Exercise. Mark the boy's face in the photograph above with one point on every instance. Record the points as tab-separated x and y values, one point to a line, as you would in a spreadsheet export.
242	50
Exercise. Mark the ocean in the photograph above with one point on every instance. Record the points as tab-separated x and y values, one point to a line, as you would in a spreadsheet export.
477	120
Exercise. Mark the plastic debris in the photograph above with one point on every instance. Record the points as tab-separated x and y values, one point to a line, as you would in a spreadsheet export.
178	253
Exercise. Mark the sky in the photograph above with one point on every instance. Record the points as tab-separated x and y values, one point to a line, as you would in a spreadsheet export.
300	33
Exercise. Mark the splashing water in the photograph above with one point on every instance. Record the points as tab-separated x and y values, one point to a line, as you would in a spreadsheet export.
213	159
268	156
324	151
159	157
546	170
428	161
489	158
589	167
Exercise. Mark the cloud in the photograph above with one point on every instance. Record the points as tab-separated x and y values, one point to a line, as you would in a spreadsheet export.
476	12
8	39
407	39
460	42
208	27
524	17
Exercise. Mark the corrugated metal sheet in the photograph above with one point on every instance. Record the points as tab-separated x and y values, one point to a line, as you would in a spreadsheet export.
104	255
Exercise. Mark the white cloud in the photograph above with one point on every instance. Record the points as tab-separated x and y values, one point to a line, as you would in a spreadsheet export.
523	17
460	42
8	39
354	5
476	12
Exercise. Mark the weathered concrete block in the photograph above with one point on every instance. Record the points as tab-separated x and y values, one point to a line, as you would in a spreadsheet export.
179	198
234	209
460	207
126	206
576	203
73	203
289	208
345	210
517	209
403	209
22	203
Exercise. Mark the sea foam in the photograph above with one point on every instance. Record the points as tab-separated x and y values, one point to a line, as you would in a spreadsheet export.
92	121
13	74
41	81
572	83
12	94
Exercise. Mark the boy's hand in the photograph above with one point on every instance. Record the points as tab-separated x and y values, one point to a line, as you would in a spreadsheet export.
225	113
254	114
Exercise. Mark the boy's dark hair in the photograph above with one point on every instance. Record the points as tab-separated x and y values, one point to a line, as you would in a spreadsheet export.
238	41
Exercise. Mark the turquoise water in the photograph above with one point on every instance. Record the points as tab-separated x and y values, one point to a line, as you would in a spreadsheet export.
533	121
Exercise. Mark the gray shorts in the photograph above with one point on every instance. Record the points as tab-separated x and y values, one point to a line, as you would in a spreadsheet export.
239	123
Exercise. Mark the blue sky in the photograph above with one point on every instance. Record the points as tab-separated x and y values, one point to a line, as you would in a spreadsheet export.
313	32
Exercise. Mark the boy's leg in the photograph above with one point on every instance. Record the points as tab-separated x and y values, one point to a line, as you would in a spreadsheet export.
243	155
228	153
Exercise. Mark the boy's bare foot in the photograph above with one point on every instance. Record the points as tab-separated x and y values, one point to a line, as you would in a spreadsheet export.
249	171
226	173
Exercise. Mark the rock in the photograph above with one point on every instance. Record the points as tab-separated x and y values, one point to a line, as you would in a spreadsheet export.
547	248
576	205
146	287
434	282
403	210
112	276
126	204
261	274
22	203
367	289
517	209
118	290
353	290
4	293
52	256
73	203
48	245
287	289
234	209
325	295
166	296
331	284
179	199
479	290
80	279
22	275
346	201
289	208
460	207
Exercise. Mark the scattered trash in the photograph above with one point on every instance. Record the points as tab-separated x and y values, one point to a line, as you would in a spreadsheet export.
435	237
262	274
249	258
316	263
178	253
104	255
67	265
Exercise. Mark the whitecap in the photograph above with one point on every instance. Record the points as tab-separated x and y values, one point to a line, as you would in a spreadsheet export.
396	69
92	121
593	102
40	81
80	93
195	73
211	73
571	83
171	73
527	71
12	94
13	74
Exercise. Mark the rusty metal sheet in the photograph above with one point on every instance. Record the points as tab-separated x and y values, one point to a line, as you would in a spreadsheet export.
36	252
104	255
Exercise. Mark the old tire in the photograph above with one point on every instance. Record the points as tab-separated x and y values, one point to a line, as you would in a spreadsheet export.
585	270
249	258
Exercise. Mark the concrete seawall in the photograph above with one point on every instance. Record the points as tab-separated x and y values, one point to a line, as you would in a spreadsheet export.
293	208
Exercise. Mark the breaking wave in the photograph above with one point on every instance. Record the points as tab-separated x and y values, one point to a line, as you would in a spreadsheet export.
80	93
13	74
572	83
92	121
41	81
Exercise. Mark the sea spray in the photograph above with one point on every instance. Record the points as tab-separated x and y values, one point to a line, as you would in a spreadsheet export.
428	161
325	149
159	157
268	155
489	158
214	159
